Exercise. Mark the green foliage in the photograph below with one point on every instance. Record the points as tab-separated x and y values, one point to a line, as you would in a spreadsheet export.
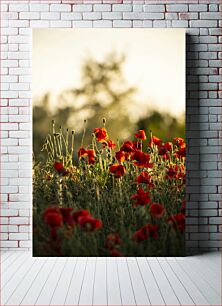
94	188
162	124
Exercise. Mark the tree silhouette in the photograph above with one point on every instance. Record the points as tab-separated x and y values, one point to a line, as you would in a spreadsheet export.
103	93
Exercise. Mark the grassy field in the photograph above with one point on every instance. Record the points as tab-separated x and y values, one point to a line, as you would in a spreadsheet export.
116	199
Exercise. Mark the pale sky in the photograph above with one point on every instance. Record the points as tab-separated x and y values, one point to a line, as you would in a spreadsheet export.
155	61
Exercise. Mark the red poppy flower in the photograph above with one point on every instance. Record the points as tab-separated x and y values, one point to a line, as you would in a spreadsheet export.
179	141
141	135
137	145
89	224
112	240
53	209
66	215
115	253
157	210
120	156
181	153
163	152
91	156
145	178
171	172
176	172
89	153
53	219
141	197
110	144
127	146
101	134
142	159
59	167
82	152
117	170
80	213
168	146
177	222
155	141
145	232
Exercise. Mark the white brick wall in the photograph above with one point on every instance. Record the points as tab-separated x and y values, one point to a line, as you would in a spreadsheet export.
202	20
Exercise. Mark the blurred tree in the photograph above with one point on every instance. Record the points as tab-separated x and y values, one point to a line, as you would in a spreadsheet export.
103	93
41	124
163	125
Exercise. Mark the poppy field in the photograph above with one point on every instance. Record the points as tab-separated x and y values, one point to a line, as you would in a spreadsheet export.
109	198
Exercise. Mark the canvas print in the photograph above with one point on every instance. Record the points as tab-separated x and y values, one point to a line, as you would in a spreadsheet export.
109	145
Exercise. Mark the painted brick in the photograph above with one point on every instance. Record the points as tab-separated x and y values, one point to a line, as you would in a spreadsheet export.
208	16
82	8
102	24
18	23
39	7
102	7
154	8
147	23
51	15
8	244
180	23
71	16
171	16
135	15
121	7
138	23
29	15
197	7
82	24
18	236
215	63
92	15
24	229
112	15
137	8
216	31
39	23
60	7
177	8
203	23
122	23
18	7
60	23
25	244
186	16
215	220
208	39
204	31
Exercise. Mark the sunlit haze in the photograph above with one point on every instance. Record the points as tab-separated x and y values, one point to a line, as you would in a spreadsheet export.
155	61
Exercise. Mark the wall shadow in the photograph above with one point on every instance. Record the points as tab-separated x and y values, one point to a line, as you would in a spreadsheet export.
193	147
